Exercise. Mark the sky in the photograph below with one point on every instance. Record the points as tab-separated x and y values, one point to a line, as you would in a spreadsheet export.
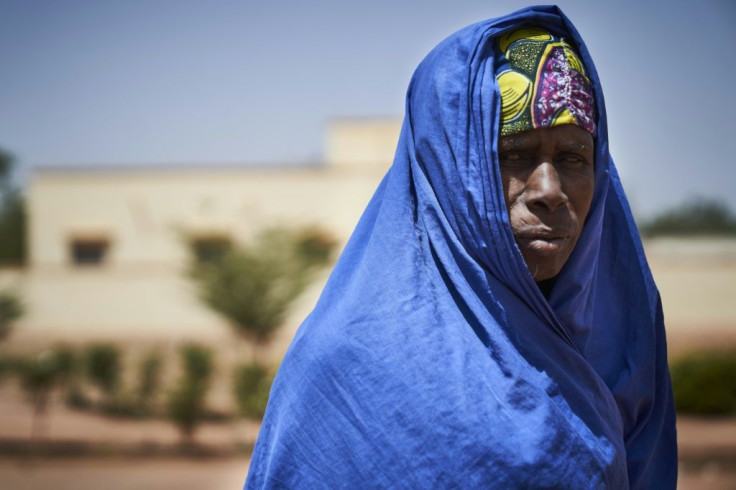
255	81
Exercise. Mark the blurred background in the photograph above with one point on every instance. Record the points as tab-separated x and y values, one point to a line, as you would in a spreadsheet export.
177	179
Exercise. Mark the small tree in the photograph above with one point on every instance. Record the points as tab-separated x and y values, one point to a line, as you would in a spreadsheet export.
67	366
39	376
7	366
197	363
103	368
11	309
697	217
12	241
149	380
6	167
253	286
251	386
704	383
186	403
70	368
12	216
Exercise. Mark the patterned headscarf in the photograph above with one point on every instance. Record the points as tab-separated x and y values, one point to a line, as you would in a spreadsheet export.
542	82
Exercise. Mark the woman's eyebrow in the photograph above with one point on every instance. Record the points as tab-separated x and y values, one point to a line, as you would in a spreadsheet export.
513	143
576	145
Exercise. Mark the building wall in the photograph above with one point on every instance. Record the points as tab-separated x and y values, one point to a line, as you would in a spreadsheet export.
146	214
360	143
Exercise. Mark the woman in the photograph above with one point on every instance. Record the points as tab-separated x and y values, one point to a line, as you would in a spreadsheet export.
450	348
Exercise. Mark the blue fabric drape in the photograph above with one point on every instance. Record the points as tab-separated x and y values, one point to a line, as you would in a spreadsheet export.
432	360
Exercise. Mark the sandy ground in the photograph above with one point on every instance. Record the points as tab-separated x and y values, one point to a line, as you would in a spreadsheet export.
186	475
65	424
696	436
124	475
697	282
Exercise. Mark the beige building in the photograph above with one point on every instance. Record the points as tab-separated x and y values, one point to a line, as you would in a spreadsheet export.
108	244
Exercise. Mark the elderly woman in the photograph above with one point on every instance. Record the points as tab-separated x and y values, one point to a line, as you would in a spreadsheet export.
492	322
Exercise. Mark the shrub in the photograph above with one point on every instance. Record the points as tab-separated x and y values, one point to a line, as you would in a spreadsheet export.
254	285
186	402
11	365
149	380
67	361
130	403
704	383
251	386
186	407
696	217
11	309
39	376
103	368
77	399
5	367
13	216
123	404
197	363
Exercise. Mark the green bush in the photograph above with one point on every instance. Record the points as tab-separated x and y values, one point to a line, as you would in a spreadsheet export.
103	367
77	399
149	381
251	386
704	383
186	402
5	367
186	407
696	217
11	365
314	246
124	404
67	360
13	216
39	376
253	285
197	363
11	309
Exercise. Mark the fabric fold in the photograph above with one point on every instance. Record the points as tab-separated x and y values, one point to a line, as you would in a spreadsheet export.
433	360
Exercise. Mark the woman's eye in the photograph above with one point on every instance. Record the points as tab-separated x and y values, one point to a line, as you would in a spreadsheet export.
572	160
512	158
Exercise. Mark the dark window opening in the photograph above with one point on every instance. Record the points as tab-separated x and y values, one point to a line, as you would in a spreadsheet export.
89	252
210	249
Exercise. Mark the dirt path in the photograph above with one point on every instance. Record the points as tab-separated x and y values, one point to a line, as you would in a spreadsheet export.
124	475
713	438
198	475
63	423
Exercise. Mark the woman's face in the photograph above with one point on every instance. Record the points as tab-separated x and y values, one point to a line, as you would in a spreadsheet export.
548	182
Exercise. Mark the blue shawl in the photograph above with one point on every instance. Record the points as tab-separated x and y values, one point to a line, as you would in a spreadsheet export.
432	359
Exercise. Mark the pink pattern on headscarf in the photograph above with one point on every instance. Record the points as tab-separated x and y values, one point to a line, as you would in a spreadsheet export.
561	87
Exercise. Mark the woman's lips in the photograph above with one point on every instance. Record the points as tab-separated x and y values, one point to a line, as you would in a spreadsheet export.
543	243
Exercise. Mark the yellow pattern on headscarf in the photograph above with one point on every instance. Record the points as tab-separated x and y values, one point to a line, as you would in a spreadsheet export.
574	61
531	33
516	91
541	82
564	117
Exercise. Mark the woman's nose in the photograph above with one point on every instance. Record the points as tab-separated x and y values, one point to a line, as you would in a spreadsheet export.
544	188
